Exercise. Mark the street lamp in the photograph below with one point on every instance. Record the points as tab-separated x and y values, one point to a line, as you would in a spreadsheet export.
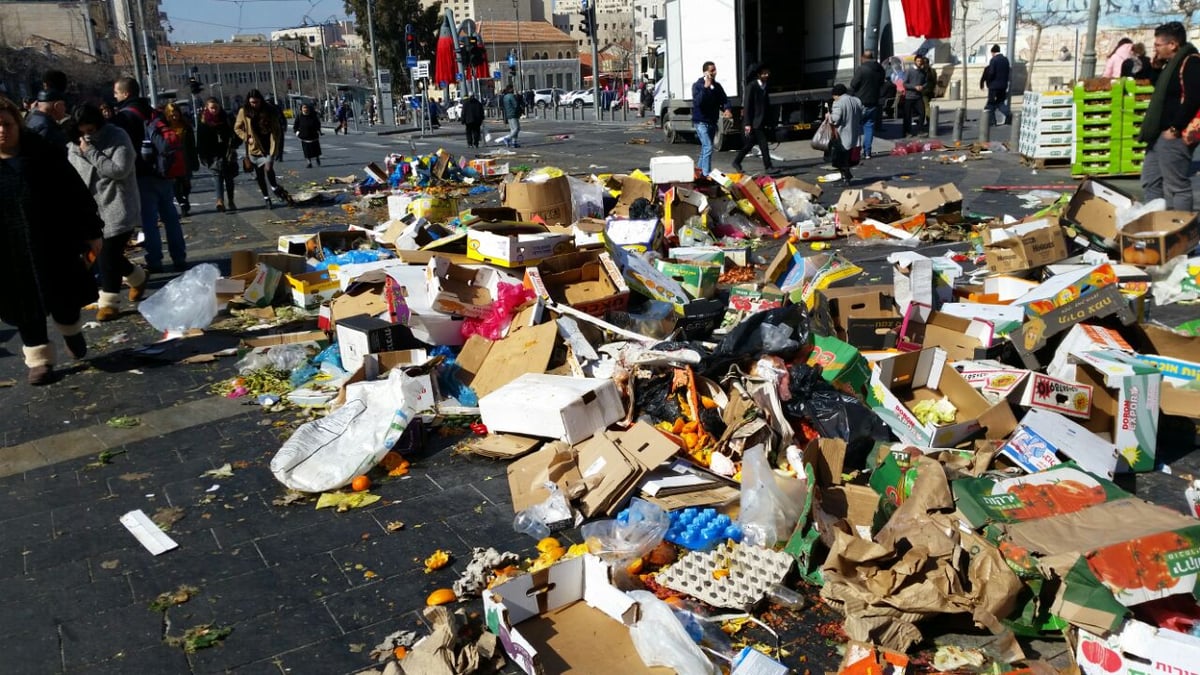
374	54
520	75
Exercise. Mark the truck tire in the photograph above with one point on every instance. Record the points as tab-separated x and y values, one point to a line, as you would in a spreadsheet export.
670	135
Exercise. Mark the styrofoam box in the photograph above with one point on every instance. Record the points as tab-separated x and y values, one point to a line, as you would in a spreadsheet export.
672	169
570	409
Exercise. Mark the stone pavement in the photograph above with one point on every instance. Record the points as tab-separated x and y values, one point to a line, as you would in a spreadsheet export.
304	591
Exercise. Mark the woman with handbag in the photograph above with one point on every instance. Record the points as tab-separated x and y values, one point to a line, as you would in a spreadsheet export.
217	145
846	116
258	127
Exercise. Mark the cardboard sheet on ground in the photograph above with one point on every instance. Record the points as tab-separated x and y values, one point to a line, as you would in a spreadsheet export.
920	565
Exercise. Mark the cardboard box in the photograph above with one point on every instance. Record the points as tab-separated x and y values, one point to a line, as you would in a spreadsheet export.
553	620
960	338
1024	246
258	275
838	504
588	281
375	366
1125	403
487	365
1035	445
747	299
764	208
311	289
613	463
632	188
680	204
864	315
902	381
985	500
358	336
996	380
902	201
699	279
434	209
1177	357
364	297
552	406
841	364
461	290
637	236
913	280
1093	208
642	277
304	245
1060	396
1156	237
1084	337
1138	649
549	201
588	232
515	244
427	324
339	241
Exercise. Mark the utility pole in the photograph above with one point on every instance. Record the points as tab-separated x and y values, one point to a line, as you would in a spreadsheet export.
299	77
131	38
596	101
1087	69
271	59
520	50
374	53
151	57
1013	11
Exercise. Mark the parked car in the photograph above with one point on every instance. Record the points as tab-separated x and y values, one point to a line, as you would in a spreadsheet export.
547	97
635	101
579	98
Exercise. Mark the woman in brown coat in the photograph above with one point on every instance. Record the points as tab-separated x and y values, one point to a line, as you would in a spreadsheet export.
258	126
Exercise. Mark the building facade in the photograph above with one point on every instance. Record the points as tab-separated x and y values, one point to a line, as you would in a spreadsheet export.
546	56
70	29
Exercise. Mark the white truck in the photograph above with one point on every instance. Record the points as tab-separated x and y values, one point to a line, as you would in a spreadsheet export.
809	45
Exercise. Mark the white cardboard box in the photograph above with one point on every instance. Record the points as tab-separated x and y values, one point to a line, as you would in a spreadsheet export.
570	409
1139	649
1043	434
672	169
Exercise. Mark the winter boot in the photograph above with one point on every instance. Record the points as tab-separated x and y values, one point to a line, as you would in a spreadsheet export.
137	283
110	306
40	361
73	336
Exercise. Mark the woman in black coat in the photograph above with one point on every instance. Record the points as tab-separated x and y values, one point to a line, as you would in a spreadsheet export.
308	129
48	223
216	146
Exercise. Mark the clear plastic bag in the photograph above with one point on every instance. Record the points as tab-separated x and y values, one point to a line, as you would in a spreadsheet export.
327	453
187	302
661	640
587	198
285	358
771	503
632	534
551	515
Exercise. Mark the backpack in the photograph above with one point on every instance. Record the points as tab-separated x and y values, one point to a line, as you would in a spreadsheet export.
162	146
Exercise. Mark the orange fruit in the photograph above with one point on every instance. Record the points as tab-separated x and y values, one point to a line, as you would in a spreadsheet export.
392	460
441	596
548	544
360	483
400	652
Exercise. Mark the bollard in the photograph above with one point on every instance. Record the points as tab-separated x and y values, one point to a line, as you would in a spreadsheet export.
625	112
1014	129
985	131
960	116
934	116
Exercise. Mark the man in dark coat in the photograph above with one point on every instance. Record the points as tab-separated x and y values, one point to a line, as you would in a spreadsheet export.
709	104
45	117
472	118
867	86
995	80
1167	168
756	107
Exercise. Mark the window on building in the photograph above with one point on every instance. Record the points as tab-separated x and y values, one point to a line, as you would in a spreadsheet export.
560	54
570	82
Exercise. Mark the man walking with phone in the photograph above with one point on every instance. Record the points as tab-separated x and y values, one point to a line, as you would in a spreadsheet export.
709	104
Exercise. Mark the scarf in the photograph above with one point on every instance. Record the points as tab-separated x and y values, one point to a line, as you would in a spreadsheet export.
213	118
1151	124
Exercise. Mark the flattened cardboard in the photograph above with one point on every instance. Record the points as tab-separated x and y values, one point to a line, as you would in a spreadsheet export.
286	339
359	299
764	208
1093	208
465	291
488	365
1156	237
549	201
1043	435
1173	356
527	476
505	446
552	406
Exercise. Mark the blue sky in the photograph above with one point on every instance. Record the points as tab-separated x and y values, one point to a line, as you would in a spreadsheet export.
207	20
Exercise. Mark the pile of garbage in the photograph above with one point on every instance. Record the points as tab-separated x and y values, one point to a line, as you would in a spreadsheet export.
735	420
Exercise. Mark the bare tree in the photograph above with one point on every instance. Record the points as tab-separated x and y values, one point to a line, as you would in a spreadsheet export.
1048	16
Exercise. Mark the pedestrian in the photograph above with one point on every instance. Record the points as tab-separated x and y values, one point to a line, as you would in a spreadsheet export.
512	106
343	117
756	109
527	100
647	99
1166	169
435	113
106	110
927	92
44	119
281	119
183	184
914	99
157	192
472	118
867	85
846	116
104	158
1117	57
370	114
308	129
1138	64
995	80
216	146
259	129
709	104
48	221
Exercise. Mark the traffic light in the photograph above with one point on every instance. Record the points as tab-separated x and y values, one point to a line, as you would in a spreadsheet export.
195	85
587	22
475	51
410	41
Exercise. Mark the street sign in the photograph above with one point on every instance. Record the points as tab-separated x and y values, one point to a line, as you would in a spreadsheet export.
385	77
412	61
496	75
458	76
421	71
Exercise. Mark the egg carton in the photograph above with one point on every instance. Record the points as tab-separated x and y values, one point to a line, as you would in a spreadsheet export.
752	572
701	529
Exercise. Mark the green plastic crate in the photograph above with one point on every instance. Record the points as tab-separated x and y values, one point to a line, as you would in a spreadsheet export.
1131	166
1132	87
1095	168
1094	131
1111	94
1097	119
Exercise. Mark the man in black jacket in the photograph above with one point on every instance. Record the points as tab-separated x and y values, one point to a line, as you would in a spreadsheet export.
867	86
472	118
995	80
756	106
1166	170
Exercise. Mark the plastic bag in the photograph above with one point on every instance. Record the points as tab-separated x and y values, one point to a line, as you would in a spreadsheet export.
327	453
187	302
824	136
587	198
551	515
770	503
494	325
632	534
660	639
284	358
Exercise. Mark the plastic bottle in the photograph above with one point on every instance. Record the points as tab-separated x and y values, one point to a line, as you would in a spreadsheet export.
786	597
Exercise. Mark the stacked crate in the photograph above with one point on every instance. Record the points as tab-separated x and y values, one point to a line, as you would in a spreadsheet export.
1134	104
1047	127
1098	119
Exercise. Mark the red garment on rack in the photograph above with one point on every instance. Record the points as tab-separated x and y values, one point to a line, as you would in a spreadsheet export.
927	18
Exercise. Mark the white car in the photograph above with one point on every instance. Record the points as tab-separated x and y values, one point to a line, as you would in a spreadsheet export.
579	98
546	97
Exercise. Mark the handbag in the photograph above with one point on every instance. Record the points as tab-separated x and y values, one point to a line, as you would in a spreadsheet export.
247	163
824	135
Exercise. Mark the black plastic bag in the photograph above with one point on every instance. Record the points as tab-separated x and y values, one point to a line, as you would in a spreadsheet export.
745	341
